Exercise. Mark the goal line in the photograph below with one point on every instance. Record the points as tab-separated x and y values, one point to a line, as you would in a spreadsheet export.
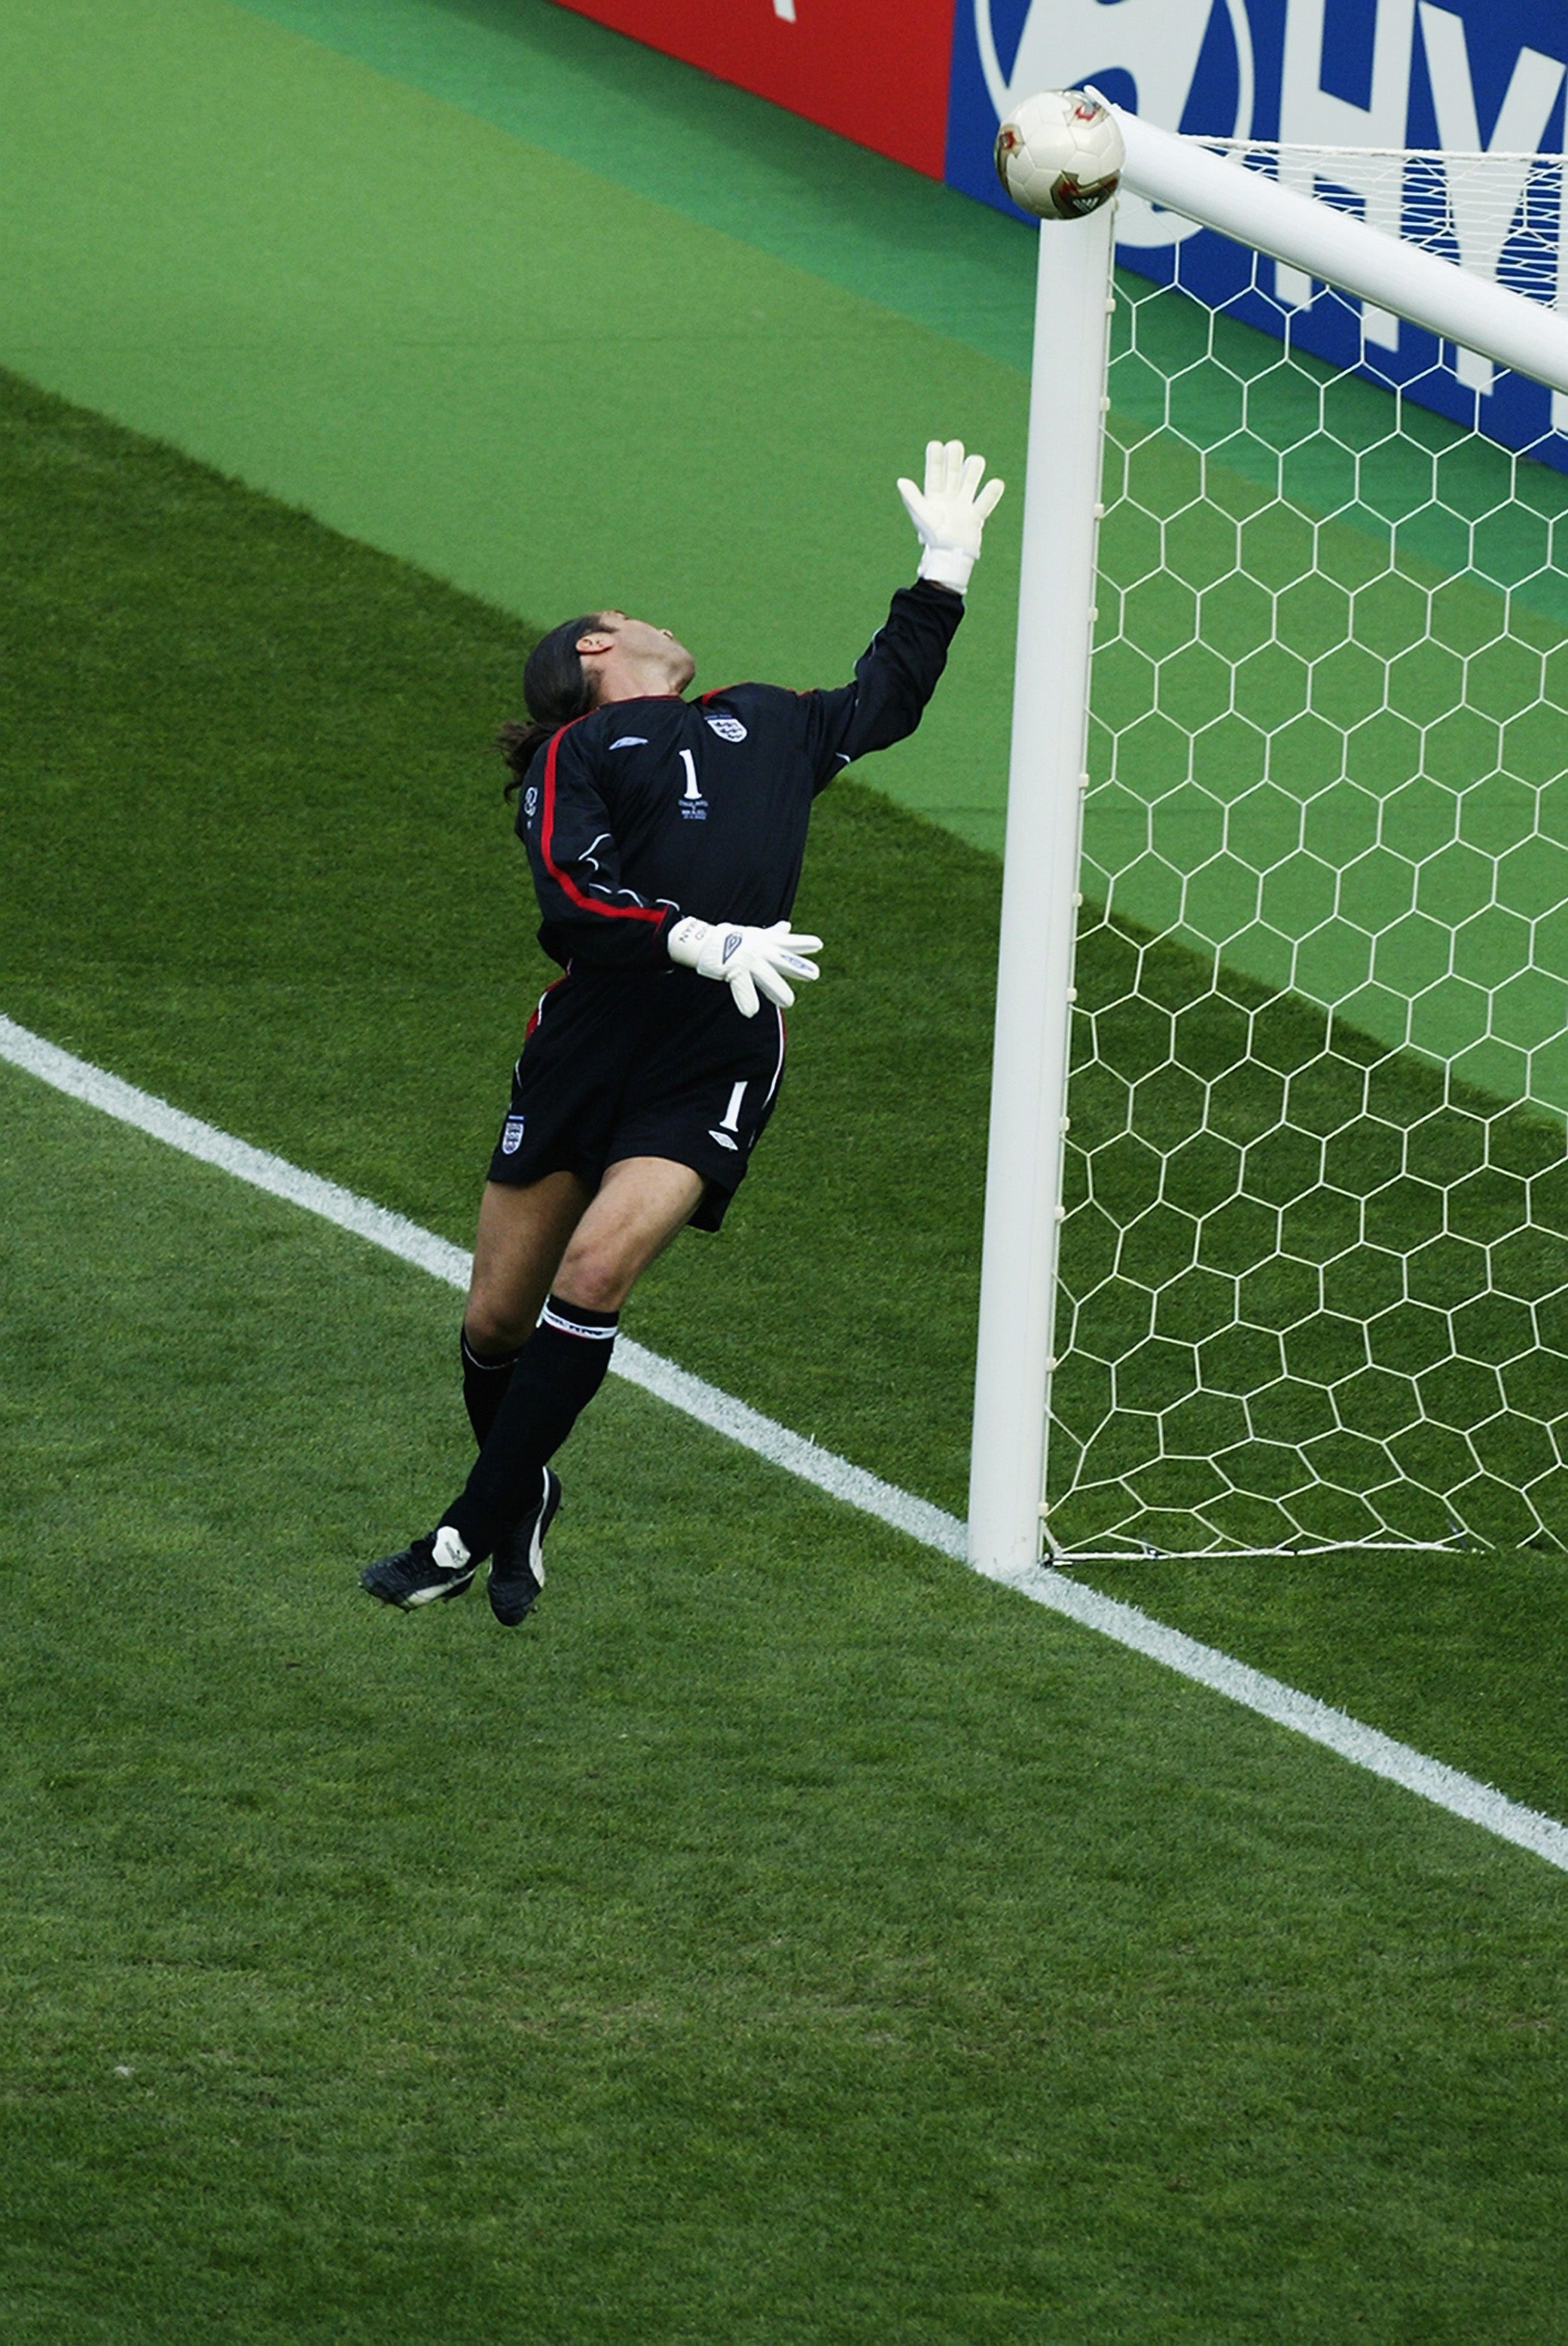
1270	1697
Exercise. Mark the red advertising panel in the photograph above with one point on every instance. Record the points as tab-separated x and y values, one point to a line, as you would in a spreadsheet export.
876	71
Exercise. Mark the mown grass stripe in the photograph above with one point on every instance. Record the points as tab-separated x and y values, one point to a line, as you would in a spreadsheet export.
1364	1746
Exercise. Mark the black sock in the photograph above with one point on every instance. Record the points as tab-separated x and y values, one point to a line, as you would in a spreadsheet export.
556	1375
484	1386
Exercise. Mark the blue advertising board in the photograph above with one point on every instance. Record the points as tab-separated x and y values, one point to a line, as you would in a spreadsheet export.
1468	75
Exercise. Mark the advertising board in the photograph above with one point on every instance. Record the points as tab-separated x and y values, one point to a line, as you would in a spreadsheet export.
876	71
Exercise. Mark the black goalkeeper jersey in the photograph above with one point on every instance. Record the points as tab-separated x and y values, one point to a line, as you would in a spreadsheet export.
645	811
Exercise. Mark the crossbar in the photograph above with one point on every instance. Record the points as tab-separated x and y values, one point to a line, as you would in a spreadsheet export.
1219	192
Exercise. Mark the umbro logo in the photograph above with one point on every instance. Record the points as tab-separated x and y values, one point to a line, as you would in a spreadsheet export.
729	728
631	741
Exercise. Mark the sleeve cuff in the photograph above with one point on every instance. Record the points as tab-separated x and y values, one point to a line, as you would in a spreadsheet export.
947	566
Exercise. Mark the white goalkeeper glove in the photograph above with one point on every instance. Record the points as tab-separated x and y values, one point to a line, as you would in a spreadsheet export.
948	514
749	961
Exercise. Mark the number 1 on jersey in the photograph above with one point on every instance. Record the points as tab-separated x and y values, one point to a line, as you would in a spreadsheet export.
689	762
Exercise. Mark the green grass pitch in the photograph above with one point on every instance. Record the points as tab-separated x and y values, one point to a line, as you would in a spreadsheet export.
785	1937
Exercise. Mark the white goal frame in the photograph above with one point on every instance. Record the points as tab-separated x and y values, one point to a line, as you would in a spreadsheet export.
1046	777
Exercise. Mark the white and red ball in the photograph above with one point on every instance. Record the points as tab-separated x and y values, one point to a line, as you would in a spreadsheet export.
1059	155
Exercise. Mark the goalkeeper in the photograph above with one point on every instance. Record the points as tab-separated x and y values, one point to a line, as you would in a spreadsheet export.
665	839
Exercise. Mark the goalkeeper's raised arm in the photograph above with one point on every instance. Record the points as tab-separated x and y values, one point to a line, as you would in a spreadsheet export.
899	669
666	835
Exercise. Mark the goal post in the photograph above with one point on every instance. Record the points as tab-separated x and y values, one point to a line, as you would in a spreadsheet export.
1040	889
1296	828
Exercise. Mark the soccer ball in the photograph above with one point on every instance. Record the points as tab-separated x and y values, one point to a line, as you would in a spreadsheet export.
1059	155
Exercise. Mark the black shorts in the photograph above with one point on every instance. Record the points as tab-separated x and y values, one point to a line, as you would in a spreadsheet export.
659	1064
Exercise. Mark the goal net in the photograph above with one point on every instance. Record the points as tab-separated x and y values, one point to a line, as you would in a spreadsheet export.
1312	1287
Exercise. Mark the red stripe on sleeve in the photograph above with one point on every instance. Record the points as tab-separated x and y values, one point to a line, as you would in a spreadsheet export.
563	879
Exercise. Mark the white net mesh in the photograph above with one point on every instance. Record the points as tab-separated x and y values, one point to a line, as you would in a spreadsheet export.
1498	215
1495	215
1315	1264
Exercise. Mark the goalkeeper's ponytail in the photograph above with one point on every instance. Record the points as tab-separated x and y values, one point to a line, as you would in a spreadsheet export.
557	688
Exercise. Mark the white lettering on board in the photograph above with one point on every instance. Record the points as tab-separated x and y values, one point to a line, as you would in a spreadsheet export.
1310	117
1484	203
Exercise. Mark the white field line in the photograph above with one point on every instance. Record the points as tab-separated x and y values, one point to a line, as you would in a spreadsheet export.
1446	1788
